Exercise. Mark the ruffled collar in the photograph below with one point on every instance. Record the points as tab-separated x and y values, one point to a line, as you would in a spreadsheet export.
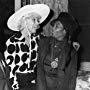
20	37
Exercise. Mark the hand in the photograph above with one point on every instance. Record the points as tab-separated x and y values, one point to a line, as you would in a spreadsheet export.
76	45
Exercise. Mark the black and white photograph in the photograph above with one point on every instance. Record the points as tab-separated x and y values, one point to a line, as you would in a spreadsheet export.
44	44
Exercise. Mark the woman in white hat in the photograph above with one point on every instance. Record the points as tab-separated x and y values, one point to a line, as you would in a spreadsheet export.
21	48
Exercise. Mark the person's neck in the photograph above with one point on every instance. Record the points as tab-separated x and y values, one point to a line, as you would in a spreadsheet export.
60	39
25	34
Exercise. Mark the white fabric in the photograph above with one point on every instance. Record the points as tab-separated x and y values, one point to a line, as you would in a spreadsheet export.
85	66
83	82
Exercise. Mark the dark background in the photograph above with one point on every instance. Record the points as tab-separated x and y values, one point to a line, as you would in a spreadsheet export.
6	9
80	9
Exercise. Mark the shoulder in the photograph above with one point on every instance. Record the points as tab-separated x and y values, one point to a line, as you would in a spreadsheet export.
43	39
10	40
11	43
44	43
10	46
15	38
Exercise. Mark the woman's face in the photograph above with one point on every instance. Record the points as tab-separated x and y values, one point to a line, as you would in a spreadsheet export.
32	23
58	31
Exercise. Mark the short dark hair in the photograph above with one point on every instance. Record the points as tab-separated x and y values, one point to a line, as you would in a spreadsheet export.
68	21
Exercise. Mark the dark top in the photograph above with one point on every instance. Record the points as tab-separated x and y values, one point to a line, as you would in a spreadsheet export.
57	65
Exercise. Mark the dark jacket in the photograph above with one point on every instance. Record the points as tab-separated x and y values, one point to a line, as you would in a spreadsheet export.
63	77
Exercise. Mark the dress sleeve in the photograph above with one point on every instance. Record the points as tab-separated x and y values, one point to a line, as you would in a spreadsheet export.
9	54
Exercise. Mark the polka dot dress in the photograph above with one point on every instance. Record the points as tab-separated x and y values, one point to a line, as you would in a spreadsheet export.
20	58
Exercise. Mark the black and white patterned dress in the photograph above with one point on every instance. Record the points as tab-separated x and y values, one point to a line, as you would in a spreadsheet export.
21	60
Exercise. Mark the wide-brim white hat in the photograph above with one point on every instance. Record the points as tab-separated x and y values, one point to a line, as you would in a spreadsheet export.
41	9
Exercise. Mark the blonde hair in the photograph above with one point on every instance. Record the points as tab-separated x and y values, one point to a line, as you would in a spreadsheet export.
22	22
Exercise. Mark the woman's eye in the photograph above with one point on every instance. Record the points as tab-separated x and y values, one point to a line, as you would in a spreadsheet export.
38	20
57	26
34	20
